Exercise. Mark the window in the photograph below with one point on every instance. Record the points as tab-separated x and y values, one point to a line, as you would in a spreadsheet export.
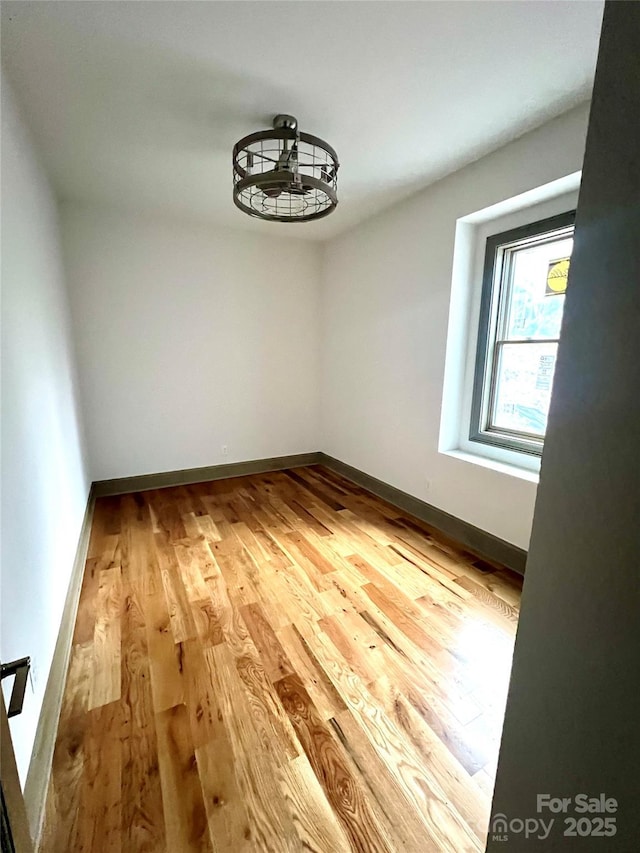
523	293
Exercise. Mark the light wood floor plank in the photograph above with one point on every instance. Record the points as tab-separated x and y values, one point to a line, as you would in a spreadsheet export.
185	817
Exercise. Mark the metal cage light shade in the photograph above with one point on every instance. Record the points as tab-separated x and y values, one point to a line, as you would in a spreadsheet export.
284	175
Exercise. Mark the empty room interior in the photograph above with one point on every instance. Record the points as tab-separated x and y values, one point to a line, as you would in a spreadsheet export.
320	330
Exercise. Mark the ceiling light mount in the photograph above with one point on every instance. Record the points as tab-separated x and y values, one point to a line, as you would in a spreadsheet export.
285	175
286	121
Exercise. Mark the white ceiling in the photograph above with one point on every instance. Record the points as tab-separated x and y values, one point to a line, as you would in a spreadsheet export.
138	104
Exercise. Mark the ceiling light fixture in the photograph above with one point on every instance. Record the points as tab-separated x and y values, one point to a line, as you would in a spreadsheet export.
284	175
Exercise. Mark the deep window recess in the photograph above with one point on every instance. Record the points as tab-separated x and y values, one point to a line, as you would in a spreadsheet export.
523	293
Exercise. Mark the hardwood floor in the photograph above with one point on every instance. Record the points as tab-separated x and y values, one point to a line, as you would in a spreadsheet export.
279	662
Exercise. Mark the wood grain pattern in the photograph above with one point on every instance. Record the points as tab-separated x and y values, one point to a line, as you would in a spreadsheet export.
185	816
279	662
105	681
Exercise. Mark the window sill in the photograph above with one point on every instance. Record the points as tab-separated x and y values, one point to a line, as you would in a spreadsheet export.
501	467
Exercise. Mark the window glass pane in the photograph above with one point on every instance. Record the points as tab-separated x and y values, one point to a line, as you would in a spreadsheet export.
524	377
537	290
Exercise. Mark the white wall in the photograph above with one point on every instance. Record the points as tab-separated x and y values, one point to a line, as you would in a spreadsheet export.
386	294
44	481
190	338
